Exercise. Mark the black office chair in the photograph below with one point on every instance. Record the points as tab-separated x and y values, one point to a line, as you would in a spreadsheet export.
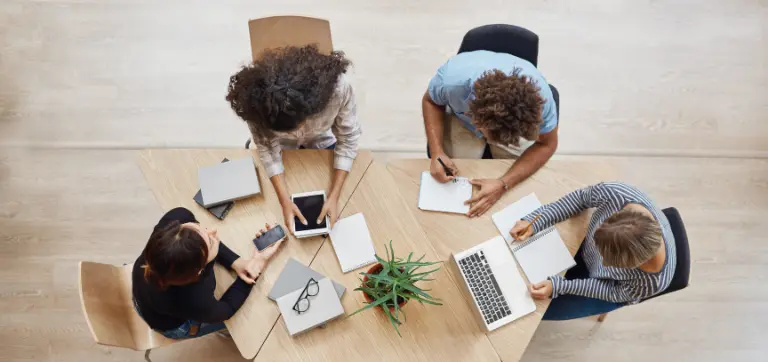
510	39
683	268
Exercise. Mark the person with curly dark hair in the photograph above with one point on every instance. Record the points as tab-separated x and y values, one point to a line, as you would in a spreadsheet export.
503	103
293	98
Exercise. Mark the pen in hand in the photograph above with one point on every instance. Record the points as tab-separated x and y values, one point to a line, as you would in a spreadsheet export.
527	228
448	171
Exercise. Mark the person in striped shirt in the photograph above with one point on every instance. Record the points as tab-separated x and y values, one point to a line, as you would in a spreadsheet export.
627	255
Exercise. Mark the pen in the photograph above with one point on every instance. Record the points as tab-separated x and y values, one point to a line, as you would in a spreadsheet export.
529	226
448	171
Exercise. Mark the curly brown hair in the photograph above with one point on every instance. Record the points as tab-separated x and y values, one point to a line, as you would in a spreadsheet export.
284	87
507	107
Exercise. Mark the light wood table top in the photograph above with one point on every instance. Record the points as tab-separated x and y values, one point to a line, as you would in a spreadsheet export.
387	196
450	233
172	176
429	333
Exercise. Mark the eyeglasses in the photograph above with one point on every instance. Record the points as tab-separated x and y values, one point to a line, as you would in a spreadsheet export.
310	290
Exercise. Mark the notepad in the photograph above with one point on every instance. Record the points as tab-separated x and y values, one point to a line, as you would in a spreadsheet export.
352	243
542	255
444	197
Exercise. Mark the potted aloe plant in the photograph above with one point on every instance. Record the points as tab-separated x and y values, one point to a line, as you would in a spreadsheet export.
390	284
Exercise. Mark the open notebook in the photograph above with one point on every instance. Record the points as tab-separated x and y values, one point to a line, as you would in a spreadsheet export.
542	255
445	197
352	243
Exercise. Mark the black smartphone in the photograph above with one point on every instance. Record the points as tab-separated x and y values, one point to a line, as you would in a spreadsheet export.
270	237
220	211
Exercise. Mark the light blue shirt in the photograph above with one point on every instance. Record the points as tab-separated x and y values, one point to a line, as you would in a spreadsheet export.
453	85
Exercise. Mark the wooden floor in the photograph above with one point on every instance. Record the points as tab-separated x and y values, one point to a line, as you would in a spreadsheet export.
672	94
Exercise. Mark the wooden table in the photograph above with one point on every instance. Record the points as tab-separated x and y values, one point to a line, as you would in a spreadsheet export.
450	233
387	196
172	176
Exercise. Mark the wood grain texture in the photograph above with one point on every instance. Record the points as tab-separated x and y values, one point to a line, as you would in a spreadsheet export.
172	175
635	76
451	233
58	207
429	333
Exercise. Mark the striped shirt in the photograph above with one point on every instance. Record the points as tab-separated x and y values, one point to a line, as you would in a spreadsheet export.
337	123
607	283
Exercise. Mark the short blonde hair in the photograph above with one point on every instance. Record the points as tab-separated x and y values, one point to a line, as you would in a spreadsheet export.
628	239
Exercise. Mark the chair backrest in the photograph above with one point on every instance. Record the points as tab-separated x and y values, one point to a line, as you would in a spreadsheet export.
503	38
683	268
281	31
107	301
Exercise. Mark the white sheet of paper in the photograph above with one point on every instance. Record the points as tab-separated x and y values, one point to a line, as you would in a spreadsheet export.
352	243
445	197
506	219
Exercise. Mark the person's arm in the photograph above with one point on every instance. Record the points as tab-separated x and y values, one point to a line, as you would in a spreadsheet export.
205	308
433	114
567	206
270	153
226	256
286	204
346	128
610	290
532	159
433	105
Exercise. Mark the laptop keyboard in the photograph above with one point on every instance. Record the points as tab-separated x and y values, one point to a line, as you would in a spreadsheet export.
484	287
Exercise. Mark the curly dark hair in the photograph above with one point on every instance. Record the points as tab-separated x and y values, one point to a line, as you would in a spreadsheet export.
284	87
507	107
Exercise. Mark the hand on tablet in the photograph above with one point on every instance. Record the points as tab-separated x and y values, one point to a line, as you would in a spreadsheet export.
289	211
330	209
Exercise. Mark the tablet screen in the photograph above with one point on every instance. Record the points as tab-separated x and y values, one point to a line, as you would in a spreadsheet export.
310	207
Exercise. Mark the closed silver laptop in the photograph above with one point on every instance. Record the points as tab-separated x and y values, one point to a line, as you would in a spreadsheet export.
228	181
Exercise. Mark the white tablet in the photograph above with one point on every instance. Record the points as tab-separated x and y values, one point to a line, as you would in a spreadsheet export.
310	204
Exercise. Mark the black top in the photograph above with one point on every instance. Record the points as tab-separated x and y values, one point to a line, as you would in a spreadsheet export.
170	308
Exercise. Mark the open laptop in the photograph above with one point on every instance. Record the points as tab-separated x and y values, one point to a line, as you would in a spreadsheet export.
493	283
228	181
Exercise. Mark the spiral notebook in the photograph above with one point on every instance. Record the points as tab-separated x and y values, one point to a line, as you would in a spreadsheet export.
352	243
444	197
542	255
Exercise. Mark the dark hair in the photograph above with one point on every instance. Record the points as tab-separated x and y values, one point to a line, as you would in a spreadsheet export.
284	87
628	239
507	107
174	256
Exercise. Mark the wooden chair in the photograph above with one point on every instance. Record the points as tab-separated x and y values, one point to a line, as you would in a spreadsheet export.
281	31
107	301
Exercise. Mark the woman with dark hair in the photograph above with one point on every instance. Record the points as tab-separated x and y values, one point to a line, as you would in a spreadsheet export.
294	98
173	280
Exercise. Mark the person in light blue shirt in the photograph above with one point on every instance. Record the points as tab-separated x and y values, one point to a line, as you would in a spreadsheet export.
500	98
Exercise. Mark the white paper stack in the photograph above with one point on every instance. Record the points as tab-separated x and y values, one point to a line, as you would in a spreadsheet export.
444	197
352	243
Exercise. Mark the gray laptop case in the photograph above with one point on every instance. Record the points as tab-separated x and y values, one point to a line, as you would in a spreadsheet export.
295	276
229	181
